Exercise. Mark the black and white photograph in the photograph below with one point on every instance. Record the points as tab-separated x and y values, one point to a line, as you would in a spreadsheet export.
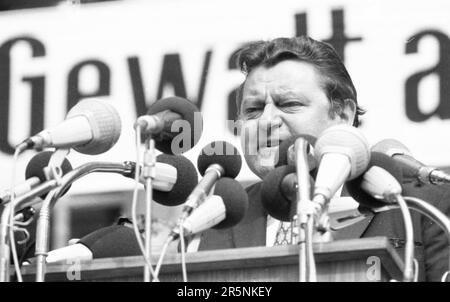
225	147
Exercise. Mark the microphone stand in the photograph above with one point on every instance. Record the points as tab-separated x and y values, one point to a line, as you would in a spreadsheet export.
29	199
53	174
20	202
43	223
303	219
148	173
432	213
408	271
424	208
52	171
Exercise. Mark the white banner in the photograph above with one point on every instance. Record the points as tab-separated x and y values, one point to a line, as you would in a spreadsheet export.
134	52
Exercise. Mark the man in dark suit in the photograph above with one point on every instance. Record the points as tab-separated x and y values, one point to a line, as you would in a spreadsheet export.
299	86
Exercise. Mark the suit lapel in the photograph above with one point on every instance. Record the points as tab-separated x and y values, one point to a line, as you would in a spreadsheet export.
252	230
355	230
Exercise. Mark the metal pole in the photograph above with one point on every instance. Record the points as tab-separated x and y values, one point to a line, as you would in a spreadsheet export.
148	173
43	224
303	211
42	237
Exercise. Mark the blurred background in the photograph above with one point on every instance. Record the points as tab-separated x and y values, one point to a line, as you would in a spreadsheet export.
132	53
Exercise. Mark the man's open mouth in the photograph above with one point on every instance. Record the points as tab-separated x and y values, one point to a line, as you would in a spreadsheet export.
270	144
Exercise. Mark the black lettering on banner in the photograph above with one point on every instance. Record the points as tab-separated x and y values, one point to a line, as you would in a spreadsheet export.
37	85
232	96
338	38
232	111
203	79
137	85
37	89
441	69
301	27
104	82
172	74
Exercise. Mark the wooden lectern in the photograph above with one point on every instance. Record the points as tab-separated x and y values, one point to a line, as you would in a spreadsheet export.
366	259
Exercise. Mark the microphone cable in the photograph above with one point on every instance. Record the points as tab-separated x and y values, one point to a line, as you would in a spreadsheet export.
11	219
416	270
445	276
408	271
183	255
311	264
134	204
434	215
182	248
161	256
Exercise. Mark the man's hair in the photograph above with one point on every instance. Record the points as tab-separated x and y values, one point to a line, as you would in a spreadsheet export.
336	81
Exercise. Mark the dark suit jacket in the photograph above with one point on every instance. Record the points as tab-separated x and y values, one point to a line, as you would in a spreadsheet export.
432	247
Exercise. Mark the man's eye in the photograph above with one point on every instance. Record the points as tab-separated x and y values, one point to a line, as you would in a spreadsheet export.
290	105
252	112
252	109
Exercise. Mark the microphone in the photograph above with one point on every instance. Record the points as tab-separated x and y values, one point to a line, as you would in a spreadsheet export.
185	181
92	127
161	122
379	183
224	209
343	154
217	159
374	188
175	178
34	175
287	154
278	192
165	176
108	242
412	168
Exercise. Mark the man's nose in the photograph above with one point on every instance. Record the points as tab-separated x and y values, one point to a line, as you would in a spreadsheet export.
270	117
269	121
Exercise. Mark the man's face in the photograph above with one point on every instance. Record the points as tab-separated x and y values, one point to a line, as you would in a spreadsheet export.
287	99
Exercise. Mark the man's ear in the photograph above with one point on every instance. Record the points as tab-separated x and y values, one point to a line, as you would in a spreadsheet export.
349	111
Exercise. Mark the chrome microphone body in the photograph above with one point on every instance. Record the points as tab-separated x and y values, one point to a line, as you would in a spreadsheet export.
92	126
412	168
201	191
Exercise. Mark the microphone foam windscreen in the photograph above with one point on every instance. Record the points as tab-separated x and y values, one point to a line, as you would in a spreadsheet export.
112	241
354	186
105	122
223	154
187	179
189	113
390	147
388	163
235	199
347	140
273	199
37	163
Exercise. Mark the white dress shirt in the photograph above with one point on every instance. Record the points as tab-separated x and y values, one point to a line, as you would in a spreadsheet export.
338	206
